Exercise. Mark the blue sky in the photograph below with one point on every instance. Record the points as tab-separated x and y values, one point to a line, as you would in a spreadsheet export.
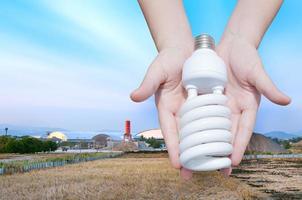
72	64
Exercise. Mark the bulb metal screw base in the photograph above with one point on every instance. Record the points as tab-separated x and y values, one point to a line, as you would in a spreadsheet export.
204	41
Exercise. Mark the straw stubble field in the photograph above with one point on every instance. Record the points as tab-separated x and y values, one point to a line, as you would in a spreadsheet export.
143	176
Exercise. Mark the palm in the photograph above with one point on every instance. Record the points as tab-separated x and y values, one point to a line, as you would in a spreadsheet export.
164	79
243	101
246	81
241	60
171	95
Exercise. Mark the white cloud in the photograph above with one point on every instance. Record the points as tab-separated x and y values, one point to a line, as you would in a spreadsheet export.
102	29
32	76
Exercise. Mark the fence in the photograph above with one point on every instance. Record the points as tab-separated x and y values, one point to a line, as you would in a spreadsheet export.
20	168
250	157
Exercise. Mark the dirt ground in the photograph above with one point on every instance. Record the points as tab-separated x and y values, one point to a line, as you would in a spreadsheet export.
279	178
144	176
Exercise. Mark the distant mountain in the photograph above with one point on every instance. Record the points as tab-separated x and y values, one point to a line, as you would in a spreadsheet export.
260	143
298	133
17	130
116	135
280	135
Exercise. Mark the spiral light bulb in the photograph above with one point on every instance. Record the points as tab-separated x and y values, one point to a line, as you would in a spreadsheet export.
205	138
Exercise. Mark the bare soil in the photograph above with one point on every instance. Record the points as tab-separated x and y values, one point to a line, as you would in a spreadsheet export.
278	178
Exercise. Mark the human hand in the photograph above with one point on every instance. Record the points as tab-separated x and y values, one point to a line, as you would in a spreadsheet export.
247	80
163	79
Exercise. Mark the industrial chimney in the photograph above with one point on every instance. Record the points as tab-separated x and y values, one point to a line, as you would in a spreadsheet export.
127	134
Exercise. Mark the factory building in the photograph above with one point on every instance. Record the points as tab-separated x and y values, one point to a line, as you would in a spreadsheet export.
57	136
80	143
100	141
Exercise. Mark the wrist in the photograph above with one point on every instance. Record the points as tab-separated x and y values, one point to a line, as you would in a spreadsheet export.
184	46
231	39
230	36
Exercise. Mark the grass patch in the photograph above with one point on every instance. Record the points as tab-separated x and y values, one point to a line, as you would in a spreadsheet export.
19	166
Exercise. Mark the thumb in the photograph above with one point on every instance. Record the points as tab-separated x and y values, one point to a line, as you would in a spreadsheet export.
153	79
265	86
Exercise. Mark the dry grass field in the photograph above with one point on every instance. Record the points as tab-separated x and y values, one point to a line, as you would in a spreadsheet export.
129	177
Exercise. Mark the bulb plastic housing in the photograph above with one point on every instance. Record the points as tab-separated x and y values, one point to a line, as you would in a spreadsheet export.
204	70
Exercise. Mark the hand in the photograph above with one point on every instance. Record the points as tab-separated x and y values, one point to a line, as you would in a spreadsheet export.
163	79
247	80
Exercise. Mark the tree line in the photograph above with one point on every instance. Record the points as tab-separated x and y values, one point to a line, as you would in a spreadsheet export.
287	143
25	144
152	142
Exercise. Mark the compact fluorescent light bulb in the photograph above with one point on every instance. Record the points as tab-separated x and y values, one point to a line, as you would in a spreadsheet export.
205	138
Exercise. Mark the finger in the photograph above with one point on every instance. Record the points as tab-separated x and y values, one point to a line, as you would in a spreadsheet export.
235	114
226	172
243	135
235	121
153	79
186	174
170	133
265	86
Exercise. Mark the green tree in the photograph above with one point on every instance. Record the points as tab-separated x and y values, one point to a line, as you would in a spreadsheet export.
286	144
142	138
3	142
31	145
15	146
25	144
49	146
154	142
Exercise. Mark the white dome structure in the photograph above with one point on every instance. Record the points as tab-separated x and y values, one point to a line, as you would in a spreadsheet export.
58	135
155	133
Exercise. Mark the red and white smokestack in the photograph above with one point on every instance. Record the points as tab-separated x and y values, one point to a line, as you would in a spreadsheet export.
127	127
127	135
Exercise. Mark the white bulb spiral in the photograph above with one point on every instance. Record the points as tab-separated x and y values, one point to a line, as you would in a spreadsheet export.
205	138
